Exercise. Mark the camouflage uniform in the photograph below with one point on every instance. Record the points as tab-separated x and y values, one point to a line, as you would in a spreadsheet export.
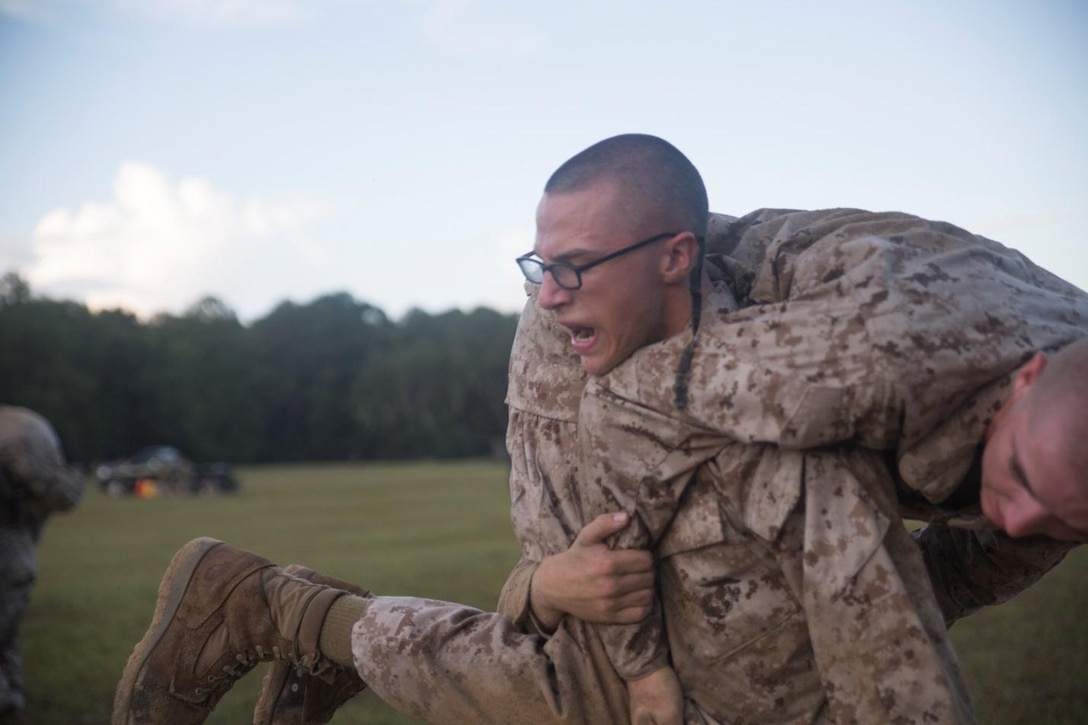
763	624
446	663
864	331
34	482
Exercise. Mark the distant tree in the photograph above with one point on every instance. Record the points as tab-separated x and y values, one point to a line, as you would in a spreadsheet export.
210	308
309	355
202	372
439	391
14	290
61	361
332	379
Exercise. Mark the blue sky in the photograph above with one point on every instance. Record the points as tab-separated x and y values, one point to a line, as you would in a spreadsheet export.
155	151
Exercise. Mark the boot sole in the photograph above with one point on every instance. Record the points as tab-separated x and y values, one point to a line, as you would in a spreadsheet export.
172	589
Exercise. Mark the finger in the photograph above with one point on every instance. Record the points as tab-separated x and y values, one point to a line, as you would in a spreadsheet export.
600	528
629	615
635	583
615	595
638	598
631	561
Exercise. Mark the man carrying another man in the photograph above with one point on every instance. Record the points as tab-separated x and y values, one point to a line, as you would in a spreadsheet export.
427	657
830	290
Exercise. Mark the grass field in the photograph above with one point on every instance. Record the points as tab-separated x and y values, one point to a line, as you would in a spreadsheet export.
428	529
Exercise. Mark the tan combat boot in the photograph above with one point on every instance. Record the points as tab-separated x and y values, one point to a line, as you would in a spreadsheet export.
290	696
220	611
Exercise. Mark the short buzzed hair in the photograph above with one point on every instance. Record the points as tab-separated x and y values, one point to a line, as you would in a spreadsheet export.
648	170
654	180
1062	390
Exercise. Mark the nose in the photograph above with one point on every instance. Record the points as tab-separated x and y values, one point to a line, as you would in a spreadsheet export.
551	294
1024	516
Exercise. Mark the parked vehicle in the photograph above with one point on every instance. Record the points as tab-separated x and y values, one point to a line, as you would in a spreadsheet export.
163	470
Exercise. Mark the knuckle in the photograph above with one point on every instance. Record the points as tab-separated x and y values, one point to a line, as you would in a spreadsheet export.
609	589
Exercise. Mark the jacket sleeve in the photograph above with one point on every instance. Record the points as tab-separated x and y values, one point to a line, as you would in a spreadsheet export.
639	461
878	639
972	569
871	329
514	601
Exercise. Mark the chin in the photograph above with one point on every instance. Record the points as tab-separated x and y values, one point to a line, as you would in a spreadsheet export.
595	364
593	368
601	366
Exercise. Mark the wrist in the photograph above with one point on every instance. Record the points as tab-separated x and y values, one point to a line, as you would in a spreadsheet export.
541	607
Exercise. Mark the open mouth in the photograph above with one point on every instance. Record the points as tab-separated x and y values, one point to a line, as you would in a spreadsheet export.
582	338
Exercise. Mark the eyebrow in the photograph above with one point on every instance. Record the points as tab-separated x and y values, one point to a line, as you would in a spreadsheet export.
567	255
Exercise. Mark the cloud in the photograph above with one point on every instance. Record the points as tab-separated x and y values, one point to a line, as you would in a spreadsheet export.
160	244
453	26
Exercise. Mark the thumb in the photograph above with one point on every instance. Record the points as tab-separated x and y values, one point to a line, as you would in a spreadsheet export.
600	528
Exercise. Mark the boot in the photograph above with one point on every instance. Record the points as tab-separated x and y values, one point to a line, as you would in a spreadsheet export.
290	696
220	611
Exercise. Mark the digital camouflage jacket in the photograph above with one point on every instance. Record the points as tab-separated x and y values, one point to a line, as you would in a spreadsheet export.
846	365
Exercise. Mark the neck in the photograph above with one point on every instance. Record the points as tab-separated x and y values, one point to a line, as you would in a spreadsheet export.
678	314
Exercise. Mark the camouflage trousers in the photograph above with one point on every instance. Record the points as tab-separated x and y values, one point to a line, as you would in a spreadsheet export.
13	604
448	663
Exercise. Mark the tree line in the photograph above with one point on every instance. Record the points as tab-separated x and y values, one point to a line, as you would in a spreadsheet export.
333	379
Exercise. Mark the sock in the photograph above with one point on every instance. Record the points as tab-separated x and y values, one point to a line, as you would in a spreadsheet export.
335	641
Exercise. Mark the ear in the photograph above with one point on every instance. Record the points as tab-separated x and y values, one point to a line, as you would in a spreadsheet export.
678	258
1022	381
1028	373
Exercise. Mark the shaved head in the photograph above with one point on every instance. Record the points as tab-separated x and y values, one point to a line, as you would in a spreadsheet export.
1060	397
654	179
1035	461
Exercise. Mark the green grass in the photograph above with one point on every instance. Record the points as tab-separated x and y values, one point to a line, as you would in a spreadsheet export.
434	530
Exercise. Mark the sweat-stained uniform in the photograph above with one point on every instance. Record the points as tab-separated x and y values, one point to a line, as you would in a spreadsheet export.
34	483
748	653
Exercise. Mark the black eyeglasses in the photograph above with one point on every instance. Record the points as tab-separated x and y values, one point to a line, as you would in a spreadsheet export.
569	276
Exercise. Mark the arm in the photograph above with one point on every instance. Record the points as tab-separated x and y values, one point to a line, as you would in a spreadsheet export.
592	582
971	569
868	329
639	461
589	581
656	699
877	634
514	597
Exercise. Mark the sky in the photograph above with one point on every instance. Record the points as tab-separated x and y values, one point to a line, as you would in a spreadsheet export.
153	152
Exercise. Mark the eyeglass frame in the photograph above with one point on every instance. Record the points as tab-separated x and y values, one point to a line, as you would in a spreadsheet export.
579	268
